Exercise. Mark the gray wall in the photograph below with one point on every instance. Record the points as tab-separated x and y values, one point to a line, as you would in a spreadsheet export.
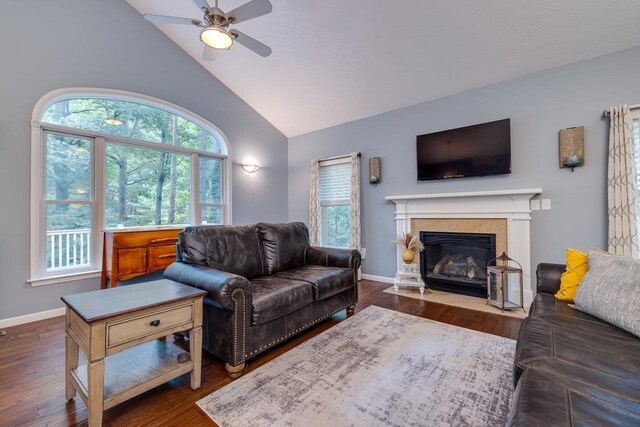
49	45
538	105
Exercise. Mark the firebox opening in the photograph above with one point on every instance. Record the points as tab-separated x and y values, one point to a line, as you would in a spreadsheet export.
457	262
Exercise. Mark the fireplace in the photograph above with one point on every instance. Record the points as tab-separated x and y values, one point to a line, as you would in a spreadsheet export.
457	262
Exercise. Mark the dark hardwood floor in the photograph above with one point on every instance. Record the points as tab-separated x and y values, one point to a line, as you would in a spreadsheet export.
32	368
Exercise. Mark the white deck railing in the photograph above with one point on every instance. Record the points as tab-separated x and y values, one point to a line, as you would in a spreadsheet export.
68	248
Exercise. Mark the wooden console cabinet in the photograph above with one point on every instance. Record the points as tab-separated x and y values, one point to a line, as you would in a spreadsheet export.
130	253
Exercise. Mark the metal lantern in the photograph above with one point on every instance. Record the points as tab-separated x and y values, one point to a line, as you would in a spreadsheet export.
505	284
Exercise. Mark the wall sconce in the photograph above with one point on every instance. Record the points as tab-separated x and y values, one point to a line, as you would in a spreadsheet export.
572	147
375	170
250	167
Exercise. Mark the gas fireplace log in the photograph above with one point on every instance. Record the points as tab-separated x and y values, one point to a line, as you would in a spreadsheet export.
440	264
455	267
474	271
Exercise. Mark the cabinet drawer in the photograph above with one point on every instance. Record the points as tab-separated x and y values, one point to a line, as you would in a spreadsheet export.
132	261
161	256
145	238
139	327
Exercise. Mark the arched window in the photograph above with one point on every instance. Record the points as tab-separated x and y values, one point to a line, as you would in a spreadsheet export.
106	159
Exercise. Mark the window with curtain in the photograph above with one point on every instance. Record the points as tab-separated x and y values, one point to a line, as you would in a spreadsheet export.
335	212
120	163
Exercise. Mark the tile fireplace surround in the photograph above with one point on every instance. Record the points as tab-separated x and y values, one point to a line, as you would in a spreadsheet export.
510	205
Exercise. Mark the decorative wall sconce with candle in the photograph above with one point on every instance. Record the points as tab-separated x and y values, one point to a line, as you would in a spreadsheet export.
250	167
375	170
572	147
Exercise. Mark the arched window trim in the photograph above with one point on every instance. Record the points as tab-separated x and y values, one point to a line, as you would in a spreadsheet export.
38	276
119	95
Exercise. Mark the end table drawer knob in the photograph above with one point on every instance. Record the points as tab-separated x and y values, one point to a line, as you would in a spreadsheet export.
154	323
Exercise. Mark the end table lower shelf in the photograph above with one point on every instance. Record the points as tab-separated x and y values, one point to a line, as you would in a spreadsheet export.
134	371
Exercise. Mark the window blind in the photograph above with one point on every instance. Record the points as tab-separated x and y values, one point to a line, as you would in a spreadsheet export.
335	182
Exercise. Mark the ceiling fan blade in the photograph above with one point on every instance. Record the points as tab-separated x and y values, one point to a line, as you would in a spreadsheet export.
251	43
202	4
159	19
250	10
209	53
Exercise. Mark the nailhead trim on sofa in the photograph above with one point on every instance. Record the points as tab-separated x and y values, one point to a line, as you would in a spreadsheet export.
296	331
236	308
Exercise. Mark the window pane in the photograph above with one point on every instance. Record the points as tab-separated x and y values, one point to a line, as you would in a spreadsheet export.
210	180
337	225
211	214
68	174
131	119
68	236
193	136
146	187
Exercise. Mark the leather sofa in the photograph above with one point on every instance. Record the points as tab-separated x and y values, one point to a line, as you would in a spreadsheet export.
264	284
572	368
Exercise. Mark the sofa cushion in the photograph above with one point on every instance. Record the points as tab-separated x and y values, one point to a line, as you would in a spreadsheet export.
326	281
563	313
284	245
273	297
611	290
234	249
544	399
577	267
605	361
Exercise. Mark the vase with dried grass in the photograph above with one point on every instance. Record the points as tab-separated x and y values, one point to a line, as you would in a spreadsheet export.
411	244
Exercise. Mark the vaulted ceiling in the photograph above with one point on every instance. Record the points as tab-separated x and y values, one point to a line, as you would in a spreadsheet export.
335	61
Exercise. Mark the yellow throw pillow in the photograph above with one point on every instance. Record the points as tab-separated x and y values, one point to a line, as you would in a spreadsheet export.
577	267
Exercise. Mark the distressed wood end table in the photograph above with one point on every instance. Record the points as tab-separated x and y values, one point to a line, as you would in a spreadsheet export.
122	332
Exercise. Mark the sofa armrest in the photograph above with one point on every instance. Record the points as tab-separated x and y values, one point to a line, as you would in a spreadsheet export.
333	257
548	276
220	286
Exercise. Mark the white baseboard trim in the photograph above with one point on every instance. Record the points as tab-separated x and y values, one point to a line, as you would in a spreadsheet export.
375	278
33	317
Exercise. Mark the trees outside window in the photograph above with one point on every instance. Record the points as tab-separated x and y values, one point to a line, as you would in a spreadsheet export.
146	187
119	163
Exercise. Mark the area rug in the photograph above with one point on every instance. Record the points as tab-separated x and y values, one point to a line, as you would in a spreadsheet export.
377	368
456	300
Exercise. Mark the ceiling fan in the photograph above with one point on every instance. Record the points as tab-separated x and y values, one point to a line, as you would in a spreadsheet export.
215	33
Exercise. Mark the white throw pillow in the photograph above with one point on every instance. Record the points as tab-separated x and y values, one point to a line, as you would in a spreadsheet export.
611	290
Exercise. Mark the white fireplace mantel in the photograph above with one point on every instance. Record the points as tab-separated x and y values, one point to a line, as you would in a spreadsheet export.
512	205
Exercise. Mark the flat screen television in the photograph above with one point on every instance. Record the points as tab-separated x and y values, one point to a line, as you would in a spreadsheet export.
477	150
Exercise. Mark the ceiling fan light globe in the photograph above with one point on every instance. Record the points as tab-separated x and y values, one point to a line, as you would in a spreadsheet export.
216	38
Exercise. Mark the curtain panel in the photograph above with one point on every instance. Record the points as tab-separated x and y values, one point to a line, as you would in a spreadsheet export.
622	185
354	201
314	203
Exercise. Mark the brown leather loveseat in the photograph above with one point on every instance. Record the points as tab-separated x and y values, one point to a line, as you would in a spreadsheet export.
265	283
573	369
